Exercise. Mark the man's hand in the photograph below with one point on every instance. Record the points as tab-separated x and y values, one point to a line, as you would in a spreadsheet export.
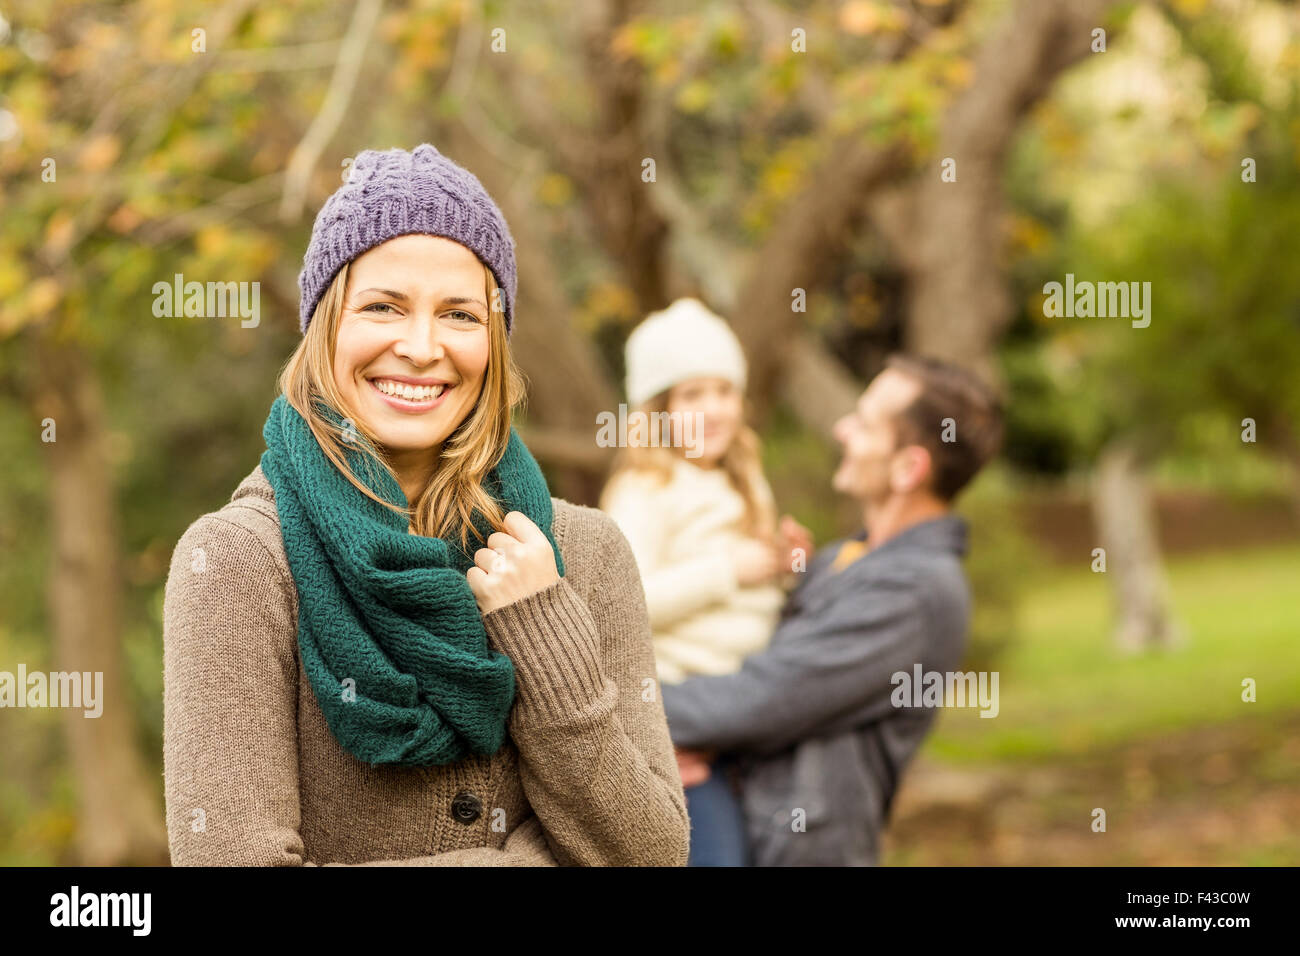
794	541
693	765
517	562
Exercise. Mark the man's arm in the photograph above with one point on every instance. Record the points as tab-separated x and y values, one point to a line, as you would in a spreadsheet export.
819	673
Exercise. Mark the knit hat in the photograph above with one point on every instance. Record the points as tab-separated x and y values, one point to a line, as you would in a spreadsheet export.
681	342
395	193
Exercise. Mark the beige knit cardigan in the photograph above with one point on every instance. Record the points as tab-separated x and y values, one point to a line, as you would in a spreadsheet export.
255	777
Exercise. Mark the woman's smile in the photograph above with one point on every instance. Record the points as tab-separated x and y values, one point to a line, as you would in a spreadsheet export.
410	396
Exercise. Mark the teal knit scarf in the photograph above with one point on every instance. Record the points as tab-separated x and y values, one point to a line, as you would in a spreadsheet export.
389	633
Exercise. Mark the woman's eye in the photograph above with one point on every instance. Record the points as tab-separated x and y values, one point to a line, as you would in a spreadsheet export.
463	316
377	305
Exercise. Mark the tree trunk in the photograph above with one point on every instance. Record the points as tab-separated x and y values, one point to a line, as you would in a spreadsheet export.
817	387
119	812
813	232
949	235
1125	521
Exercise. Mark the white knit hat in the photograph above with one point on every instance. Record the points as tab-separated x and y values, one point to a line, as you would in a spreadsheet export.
681	342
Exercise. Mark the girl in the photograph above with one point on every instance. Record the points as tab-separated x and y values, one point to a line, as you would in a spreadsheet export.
393	645
691	498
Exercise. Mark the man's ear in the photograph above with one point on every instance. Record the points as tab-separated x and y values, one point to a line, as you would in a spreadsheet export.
912	469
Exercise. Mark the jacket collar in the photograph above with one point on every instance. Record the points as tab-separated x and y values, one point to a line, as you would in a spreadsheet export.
948	533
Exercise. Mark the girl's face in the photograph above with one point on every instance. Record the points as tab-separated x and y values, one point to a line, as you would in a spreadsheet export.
412	347
720	406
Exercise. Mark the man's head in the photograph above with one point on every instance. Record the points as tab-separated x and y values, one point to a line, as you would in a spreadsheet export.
921	430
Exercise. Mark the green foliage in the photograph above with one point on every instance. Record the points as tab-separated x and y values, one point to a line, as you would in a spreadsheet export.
1224	338
1240	611
1000	559
1218	252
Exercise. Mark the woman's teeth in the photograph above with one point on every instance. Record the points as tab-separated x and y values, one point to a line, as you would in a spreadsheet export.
412	393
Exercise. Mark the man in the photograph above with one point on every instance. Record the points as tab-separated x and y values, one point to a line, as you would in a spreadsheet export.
818	743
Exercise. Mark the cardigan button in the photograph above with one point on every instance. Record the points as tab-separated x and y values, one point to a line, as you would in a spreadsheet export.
466	807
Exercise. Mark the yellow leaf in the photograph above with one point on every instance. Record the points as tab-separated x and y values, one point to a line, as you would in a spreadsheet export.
959	72
859	17
10	321
694	97
100	153
211	241
604	301
125	218
58	232
555	190
42	296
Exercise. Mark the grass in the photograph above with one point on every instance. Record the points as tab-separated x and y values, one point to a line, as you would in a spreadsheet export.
1066	690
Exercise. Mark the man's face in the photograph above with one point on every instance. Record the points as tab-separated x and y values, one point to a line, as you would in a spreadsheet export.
874	466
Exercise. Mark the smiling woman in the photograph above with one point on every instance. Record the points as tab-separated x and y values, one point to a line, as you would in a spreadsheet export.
349	680
403	318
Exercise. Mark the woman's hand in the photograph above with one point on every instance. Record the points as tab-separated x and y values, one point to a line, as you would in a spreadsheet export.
517	562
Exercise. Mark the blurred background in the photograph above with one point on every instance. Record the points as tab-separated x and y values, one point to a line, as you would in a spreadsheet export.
794	147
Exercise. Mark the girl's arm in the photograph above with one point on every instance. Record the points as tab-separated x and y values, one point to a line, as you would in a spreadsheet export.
594	752
672	591
230	731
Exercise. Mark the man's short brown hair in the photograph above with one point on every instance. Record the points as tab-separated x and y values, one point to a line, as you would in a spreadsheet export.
949	392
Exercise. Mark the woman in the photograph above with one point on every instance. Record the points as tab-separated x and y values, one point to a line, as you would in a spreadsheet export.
392	645
693	503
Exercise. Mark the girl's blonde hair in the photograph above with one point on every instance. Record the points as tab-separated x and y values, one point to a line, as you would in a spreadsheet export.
455	493
742	463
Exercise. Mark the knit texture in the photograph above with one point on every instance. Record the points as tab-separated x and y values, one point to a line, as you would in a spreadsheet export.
681	342
254	777
684	533
389	631
394	193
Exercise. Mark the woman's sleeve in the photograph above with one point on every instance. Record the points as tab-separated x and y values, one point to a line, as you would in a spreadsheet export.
672	591
596	760
230	732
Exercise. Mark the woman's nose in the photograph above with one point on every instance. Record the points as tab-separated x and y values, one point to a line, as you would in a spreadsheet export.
421	341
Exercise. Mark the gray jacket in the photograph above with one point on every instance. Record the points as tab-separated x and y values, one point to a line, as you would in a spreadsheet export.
810	719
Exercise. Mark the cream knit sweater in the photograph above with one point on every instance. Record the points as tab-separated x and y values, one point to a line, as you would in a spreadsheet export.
682	533
254	776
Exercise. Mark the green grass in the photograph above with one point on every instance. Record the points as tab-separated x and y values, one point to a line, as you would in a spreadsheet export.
1065	689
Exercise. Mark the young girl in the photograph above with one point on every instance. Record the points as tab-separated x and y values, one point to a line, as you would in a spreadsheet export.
393	645
691	498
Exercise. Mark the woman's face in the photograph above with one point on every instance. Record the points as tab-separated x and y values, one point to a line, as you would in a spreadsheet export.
720	407
412	347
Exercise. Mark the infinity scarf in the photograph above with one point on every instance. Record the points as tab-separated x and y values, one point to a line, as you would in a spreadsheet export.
389	633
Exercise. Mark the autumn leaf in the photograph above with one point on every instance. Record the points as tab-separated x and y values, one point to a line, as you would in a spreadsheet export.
100	153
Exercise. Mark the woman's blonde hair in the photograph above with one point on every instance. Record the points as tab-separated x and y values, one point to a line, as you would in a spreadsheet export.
455	493
742	463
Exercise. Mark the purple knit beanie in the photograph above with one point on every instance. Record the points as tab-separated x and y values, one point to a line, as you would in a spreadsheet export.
394	193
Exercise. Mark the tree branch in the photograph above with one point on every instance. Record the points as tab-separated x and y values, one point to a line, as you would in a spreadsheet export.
326	122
